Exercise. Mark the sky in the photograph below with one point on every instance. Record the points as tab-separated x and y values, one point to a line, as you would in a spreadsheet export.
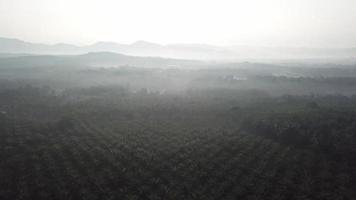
288	23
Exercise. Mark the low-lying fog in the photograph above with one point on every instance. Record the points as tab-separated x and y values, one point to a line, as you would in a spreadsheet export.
166	75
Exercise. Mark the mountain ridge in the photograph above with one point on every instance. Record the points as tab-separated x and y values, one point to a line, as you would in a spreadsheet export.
93	59
177	51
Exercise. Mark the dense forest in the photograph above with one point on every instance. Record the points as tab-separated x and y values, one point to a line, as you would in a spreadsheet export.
230	131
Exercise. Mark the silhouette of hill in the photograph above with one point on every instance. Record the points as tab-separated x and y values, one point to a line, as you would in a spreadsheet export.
182	51
94	59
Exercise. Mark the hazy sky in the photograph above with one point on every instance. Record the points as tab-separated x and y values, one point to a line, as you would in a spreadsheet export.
314	23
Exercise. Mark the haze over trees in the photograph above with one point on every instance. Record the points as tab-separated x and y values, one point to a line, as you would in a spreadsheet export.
111	126
177	100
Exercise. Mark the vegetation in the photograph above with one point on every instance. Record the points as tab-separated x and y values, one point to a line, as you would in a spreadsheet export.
129	141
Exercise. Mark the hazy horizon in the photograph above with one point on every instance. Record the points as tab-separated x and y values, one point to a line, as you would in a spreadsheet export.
177	99
313	23
167	44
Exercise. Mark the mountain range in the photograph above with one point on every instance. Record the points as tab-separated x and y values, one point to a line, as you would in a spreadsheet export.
95	59
178	51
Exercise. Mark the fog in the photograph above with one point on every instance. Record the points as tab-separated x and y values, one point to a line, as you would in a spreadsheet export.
303	23
168	100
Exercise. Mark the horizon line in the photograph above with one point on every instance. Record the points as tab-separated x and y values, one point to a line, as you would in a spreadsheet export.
169	44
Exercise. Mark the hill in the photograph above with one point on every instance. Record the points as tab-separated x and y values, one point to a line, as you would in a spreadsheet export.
97	59
185	51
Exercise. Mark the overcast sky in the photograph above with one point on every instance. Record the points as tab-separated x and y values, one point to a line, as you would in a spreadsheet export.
310	23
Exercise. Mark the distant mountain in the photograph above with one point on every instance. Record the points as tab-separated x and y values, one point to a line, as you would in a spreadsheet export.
21	47
97	59
9	55
180	51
